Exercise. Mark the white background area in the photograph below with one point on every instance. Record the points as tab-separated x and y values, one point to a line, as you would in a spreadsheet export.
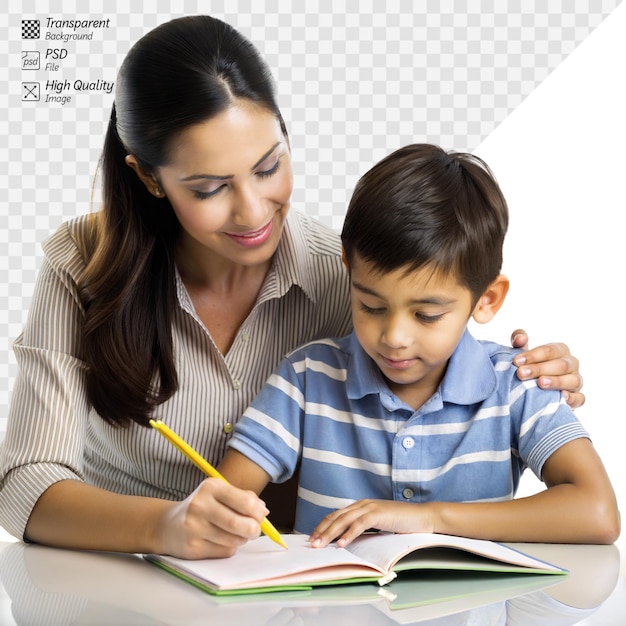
560	160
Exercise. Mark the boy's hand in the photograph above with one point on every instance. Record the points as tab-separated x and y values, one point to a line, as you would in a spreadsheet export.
552	365
348	523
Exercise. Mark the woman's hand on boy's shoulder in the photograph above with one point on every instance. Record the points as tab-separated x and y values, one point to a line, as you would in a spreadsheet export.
552	365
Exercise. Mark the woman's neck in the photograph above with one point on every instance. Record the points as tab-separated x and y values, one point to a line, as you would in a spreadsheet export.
223	293
205	270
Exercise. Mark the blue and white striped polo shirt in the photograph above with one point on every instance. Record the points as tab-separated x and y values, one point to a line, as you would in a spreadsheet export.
328	405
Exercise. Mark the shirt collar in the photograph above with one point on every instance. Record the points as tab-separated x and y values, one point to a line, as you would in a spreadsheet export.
290	265
469	378
363	376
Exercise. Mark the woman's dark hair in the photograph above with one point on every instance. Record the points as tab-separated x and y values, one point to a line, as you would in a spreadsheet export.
421	206
182	73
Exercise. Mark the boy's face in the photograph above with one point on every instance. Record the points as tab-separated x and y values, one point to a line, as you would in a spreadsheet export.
409	324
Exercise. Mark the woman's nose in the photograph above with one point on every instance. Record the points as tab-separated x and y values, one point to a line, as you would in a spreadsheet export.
249	208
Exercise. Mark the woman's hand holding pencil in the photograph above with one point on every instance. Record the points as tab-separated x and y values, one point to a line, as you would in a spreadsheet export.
266	527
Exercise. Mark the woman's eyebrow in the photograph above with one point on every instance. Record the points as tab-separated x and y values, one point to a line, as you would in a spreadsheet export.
228	176
265	155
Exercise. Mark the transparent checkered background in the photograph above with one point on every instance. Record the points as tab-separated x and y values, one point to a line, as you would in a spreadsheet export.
353	85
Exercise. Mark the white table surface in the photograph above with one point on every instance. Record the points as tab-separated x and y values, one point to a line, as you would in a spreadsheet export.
50	587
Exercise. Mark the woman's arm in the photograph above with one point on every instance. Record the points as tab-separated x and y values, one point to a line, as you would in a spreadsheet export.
211	522
42	493
552	365
578	506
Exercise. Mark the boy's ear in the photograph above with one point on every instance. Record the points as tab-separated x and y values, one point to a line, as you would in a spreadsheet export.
148	179
492	299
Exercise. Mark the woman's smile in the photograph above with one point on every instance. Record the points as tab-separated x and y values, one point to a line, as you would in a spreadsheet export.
253	238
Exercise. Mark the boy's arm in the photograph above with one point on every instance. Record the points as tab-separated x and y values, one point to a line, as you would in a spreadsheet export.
579	506
240	471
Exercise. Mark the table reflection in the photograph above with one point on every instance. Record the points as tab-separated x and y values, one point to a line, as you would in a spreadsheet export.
50	587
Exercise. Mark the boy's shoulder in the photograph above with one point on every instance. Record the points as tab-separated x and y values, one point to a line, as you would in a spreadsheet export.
507	381
501	358
498	352
335	348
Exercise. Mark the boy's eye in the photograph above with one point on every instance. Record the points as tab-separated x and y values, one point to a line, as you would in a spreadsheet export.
370	310
428	319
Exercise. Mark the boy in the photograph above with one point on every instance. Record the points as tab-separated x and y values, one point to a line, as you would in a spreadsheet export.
409	424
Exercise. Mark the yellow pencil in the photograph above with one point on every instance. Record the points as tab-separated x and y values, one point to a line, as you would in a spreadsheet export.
202	464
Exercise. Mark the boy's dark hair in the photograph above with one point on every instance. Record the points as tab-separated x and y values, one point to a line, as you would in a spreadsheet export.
422	206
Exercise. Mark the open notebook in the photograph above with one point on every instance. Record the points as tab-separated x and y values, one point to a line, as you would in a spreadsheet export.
262	566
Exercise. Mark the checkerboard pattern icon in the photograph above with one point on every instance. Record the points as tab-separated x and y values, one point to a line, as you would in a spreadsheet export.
30	29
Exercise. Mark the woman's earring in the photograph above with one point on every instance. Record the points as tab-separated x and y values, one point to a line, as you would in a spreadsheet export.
157	192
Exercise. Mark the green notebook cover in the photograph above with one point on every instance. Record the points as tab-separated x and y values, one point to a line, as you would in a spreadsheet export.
261	566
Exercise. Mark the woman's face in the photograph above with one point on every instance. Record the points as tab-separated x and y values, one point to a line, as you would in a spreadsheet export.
229	181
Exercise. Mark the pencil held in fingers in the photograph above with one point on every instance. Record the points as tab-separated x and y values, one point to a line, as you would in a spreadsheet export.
202	464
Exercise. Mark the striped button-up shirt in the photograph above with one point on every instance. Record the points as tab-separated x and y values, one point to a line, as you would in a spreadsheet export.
53	434
328	405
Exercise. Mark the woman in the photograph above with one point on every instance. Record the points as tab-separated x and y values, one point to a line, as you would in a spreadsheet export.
175	301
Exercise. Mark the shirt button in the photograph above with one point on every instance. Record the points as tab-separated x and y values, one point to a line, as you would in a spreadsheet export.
408	493
408	443
245	337
236	384
228	428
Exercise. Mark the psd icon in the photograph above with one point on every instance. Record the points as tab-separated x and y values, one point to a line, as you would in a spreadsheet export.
30	29
30	60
